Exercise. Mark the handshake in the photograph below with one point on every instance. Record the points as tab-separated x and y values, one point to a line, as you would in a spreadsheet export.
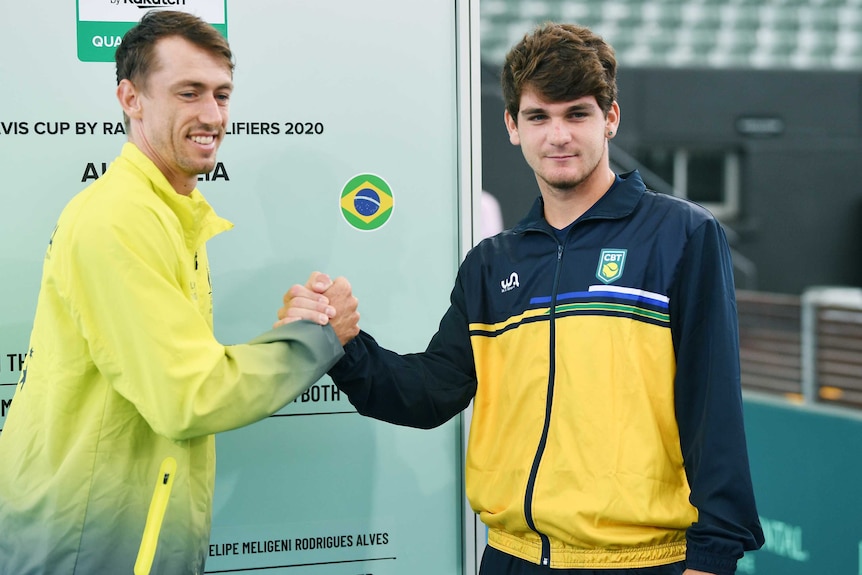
323	301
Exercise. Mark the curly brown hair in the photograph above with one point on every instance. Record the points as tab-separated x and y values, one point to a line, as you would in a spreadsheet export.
562	62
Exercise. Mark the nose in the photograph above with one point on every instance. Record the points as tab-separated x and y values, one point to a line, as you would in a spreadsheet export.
559	133
211	112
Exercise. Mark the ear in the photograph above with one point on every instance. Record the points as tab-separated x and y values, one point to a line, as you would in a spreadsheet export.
129	98
512	128
612	122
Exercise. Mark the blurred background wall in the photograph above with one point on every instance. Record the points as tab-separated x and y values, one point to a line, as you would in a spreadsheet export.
751	108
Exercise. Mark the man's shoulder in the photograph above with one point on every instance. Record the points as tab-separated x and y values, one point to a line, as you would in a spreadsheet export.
675	207
490	247
118	200
121	188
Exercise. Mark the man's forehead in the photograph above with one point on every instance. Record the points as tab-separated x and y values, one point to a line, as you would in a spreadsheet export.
173	47
531	100
177	55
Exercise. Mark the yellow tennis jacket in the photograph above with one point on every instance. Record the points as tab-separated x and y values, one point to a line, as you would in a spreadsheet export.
108	454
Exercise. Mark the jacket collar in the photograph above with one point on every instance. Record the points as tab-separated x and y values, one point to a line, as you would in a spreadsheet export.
618	202
198	219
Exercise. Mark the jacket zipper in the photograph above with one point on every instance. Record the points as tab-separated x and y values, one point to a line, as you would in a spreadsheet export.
531	483
156	516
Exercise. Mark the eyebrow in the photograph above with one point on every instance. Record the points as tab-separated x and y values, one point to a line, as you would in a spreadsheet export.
586	107
201	85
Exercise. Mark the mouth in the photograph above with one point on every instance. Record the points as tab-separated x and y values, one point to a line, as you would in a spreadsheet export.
203	140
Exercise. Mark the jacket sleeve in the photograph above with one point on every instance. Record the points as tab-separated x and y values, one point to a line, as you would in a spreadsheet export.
151	343
709	405
421	390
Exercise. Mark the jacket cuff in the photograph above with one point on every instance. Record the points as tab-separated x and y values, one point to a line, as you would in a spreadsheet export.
346	366
321	338
700	560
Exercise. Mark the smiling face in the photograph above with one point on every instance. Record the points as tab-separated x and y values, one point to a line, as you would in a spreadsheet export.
178	114
565	143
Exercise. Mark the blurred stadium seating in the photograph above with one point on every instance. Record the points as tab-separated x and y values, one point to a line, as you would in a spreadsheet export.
775	34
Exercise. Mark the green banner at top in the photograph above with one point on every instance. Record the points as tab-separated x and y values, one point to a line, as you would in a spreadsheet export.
102	23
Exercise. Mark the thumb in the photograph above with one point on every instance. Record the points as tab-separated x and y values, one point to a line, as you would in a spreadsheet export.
319	282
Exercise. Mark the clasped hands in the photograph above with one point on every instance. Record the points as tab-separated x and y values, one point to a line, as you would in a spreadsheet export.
323	300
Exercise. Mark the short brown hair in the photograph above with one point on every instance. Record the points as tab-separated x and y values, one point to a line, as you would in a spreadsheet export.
562	62
134	56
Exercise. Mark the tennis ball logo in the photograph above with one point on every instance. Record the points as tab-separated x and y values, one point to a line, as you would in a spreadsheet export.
611	265
366	202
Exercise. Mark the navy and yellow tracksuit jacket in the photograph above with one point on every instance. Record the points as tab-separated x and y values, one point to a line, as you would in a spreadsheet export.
607	425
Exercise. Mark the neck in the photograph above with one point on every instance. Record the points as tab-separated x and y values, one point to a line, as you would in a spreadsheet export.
181	183
183	187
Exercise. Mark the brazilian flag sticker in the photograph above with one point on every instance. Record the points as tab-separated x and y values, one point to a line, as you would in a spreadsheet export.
366	202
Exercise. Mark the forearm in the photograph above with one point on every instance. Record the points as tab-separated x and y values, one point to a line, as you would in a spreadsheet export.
417	390
217	388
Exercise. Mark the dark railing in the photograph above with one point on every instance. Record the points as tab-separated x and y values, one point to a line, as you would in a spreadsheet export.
770	342
807	348
832	345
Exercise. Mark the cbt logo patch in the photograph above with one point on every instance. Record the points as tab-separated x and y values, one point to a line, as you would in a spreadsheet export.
611	264
366	202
